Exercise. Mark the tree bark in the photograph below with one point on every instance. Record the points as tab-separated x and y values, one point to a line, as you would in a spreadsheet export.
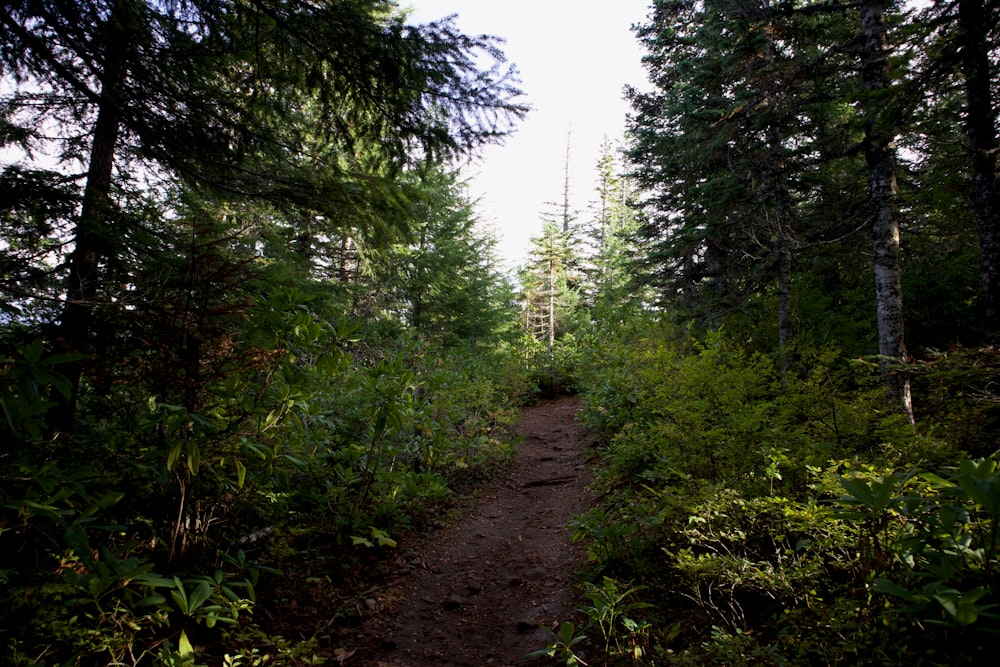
552	307
786	324
780	233
567	219
981	127
880	155
91	233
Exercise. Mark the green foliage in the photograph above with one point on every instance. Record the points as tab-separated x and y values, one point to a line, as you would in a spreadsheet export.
378	537
116	608
747	153
240	365
708	414
610	288
610	534
611	611
562	646
784	509
550	294
956	392
941	559
442	277
250	647
27	382
125	557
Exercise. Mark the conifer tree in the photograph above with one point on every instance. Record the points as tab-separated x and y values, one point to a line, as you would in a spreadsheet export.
757	122
443	282
548	299
726	146
311	107
957	40
610	251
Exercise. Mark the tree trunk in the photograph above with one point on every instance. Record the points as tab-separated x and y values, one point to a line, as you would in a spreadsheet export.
880	154
567	219
981	127
780	233
552	307
786	325
91	234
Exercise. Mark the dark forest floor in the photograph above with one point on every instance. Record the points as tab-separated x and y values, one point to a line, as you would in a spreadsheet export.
479	591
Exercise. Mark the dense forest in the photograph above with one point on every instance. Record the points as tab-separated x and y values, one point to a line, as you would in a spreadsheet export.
249	319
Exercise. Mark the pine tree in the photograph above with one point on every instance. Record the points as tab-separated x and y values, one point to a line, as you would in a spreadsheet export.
311	107
726	148
443	282
548	300
610	248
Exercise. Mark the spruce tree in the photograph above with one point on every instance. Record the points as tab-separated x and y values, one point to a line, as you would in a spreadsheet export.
311	107
549	300
610	250
443	281
726	149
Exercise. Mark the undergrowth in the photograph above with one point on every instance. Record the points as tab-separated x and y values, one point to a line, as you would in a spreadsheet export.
147	536
769	515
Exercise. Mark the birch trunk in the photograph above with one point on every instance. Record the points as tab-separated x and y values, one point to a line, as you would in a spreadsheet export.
880	154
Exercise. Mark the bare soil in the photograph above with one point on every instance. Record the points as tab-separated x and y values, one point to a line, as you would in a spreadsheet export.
480	591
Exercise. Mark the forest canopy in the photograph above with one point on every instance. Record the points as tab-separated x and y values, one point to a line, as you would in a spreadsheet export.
249	318
217	218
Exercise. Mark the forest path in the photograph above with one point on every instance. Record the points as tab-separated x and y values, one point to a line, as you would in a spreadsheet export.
479	589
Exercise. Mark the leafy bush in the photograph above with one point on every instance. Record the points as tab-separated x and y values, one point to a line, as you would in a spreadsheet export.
121	541
777	514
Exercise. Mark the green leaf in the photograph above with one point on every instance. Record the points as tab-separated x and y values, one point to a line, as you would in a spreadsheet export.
549	652
937	481
180	597
106	501
859	492
184	648
567	634
47	511
298	463
151	601
382	538
962	608
193	457
198	596
155	581
892	588
33	353
272	418
241	474
174	456
58	359
984	492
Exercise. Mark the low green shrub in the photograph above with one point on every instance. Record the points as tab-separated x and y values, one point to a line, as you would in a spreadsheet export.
781	514
117	542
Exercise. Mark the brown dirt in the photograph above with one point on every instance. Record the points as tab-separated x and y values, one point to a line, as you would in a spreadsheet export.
479	591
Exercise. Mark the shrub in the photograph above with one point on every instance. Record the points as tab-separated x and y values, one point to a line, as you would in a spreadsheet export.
777	514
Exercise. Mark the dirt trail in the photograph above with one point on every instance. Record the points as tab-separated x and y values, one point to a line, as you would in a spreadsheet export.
479	591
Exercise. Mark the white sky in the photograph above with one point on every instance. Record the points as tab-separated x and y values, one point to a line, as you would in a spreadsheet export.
574	58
